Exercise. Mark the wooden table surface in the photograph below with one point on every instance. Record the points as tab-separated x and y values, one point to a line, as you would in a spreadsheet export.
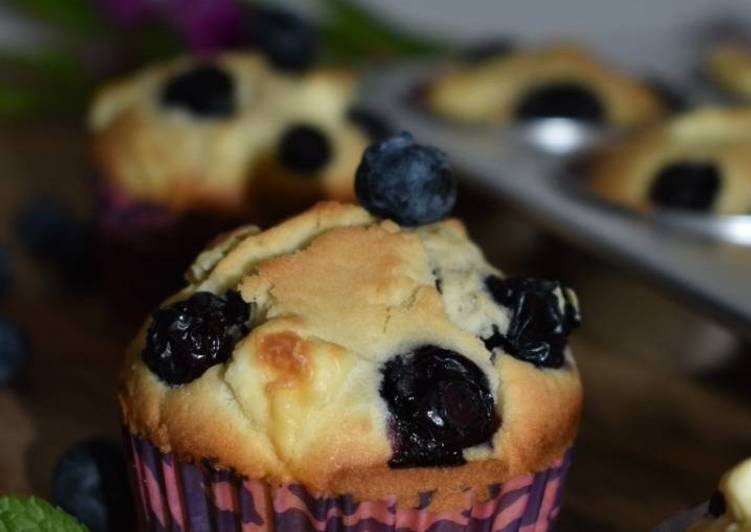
667	405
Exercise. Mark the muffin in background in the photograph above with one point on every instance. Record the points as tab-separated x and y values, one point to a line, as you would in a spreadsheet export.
559	80
193	146
344	370
698	162
728	67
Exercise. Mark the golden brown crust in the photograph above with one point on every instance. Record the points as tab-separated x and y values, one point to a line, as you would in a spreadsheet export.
624	172
165	156
336	293
489	92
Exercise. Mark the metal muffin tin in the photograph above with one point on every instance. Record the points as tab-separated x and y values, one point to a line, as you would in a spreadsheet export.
704	258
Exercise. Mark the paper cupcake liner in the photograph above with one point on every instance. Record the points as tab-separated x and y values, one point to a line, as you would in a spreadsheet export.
180	496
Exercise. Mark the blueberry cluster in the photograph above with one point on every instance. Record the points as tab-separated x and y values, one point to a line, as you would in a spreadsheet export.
690	185
540	322
440	404
407	182
187	338
562	100
205	90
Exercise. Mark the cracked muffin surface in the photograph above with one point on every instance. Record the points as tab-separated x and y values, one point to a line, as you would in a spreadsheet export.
336	299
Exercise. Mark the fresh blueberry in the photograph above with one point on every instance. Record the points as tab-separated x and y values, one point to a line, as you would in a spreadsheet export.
440	403
691	185
562	100
187	338
288	41
304	149
50	231
717	505
542	315
405	181
91	483
205	90
372	124
14	351
485	50
5	271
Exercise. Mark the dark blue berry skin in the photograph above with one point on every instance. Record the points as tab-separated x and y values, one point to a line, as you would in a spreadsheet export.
206	91
372	124
440	404
562	100
14	351
288	41
49	231
538	328
304	149
407	182
686	185
90	482
187	338
485	50
6	276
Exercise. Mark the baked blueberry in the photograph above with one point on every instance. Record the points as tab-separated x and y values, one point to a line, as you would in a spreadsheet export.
440	403
14	351
541	317
205	90
561	100
188	337
405	181
691	185
305	149
288	41
90	482
372	124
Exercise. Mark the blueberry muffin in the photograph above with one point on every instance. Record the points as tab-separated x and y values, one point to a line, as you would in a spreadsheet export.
349	368
560	80
228	135
191	147
729	68
698	161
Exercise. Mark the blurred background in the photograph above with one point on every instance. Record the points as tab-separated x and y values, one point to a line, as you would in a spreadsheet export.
665	363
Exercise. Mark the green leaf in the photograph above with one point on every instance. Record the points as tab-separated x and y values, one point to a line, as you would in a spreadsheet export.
34	515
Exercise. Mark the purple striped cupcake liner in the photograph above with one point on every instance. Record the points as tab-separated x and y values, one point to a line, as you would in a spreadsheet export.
180	496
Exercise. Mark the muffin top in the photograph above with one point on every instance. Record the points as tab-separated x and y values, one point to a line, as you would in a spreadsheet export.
730	507
554	81
355	355
228	134
697	161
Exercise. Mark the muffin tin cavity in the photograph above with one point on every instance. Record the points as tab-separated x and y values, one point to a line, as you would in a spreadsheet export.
691	185
562	100
305	149
188	337
206	91
542	315
440	403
